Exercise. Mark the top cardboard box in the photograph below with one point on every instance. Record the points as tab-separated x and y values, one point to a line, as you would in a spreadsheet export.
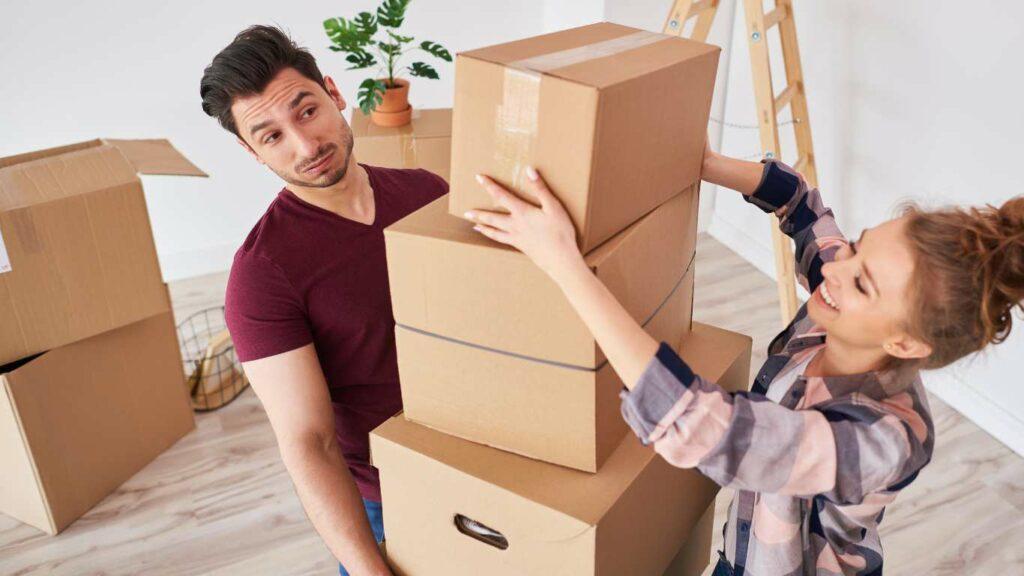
614	118
423	143
77	256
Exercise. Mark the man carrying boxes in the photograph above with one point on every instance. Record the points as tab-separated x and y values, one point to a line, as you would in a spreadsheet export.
307	301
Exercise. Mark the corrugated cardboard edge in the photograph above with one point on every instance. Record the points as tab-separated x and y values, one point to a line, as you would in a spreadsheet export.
155	157
20	467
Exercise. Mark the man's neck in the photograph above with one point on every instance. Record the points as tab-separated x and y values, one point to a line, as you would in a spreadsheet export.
350	198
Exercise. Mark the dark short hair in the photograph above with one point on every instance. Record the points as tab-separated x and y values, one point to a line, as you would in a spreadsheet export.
247	65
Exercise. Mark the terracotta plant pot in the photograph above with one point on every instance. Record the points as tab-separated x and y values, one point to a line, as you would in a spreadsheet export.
400	118
394	110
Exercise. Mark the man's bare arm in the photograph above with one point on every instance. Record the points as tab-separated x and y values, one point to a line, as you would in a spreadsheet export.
294	393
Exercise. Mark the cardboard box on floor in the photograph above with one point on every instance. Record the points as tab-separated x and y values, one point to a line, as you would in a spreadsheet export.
78	421
77	256
629	519
423	143
614	118
489	349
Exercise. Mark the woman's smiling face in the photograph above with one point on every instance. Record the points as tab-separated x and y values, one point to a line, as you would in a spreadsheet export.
864	301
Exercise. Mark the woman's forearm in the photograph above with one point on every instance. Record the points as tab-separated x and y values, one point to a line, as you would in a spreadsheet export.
624	342
740	175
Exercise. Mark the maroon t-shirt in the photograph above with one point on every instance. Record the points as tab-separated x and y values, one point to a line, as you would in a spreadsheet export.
305	274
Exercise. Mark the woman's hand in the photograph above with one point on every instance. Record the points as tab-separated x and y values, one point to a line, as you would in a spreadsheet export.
545	233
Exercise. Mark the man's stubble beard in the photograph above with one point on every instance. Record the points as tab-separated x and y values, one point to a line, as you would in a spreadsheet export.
329	179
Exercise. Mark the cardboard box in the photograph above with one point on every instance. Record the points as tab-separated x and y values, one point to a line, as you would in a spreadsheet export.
77	421
628	519
615	119
77	256
489	349
424	143
695	556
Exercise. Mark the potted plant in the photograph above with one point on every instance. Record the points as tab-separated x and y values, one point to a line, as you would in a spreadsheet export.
384	98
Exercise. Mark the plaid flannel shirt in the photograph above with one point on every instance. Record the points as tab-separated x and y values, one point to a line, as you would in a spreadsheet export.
814	461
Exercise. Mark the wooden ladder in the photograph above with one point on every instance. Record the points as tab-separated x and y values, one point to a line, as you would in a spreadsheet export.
769	105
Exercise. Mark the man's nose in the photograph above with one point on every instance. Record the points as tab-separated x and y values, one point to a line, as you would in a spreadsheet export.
307	147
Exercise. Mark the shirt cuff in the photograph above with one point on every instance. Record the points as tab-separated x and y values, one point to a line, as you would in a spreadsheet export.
776	189
663	382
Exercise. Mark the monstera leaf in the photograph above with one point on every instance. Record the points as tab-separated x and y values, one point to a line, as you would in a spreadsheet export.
345	34
391	13
360	59
423	70
437	50
371	93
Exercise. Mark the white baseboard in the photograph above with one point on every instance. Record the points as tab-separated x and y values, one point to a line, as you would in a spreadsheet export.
190	263
1000	423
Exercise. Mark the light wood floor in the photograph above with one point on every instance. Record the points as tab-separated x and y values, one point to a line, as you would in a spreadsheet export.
220	502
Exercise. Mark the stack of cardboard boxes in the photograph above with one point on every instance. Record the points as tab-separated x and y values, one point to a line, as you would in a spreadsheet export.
91	381
512	457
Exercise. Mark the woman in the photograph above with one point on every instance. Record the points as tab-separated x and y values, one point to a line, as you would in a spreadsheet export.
837	421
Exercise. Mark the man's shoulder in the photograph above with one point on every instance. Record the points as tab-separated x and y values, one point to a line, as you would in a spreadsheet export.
416	184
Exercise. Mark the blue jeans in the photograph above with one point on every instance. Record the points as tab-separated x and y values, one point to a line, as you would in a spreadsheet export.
375	514
722	568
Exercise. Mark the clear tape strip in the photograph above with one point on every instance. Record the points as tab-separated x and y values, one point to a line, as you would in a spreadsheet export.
555	363
516	118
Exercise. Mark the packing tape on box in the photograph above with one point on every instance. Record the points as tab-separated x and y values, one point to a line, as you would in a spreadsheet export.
516	117
566	365
407	142
5	260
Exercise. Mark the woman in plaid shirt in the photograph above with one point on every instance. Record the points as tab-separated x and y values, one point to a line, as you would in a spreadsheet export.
837	421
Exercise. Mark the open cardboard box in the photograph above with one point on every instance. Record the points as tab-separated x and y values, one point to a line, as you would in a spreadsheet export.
77	256
79	420
628	519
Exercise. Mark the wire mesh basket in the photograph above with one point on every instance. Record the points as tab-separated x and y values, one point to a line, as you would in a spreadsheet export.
213	374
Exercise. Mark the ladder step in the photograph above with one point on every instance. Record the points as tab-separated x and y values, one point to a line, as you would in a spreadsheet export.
801	164
785	97
701	6
774	17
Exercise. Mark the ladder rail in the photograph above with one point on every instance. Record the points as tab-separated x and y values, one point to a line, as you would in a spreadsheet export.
767	120
769	105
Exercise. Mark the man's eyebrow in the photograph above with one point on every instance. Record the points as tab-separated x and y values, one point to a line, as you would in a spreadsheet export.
298	98
291	106
260	126
866	271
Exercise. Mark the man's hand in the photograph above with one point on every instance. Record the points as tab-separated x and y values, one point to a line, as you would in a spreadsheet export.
544	233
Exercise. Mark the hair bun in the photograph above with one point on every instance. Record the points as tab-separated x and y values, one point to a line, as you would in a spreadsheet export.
994	239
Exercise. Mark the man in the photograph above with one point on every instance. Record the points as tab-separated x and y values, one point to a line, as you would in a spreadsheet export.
308	304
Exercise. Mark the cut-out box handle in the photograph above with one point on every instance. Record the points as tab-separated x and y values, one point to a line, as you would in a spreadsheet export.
478	531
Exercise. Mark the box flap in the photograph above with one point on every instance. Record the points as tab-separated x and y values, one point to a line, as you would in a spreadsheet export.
46	153
583	54
711	352
155	157
39	178
426	123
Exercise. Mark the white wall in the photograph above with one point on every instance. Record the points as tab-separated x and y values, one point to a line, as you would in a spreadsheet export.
908	100
74	71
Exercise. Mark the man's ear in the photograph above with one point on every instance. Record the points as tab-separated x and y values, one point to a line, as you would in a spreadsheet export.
249	149
907	347
334	93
